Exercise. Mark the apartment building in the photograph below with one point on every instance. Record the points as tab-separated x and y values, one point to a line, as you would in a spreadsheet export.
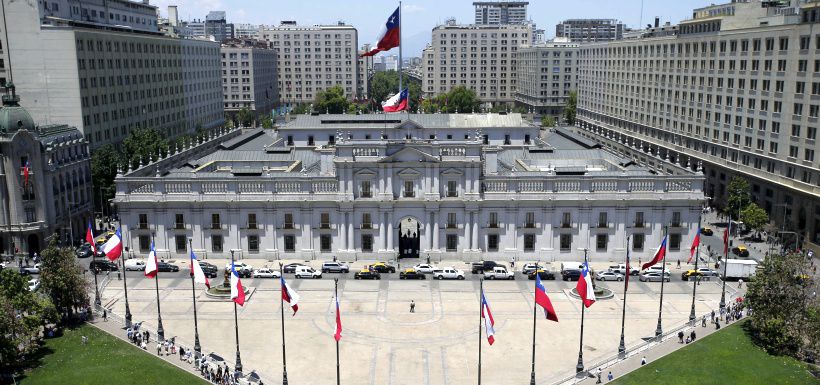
590	30
311	59
736	89
479	57
546	74
500	12
249	77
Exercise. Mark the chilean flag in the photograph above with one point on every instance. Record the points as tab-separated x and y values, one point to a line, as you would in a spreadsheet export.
26	170
237	291
89	237
196	271
543	300
289	295
658	256
113	248
584	286
389	37
151	267
489	322
338	335
695	244
397	102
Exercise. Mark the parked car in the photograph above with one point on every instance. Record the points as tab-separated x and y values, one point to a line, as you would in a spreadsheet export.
621	269
707	272
571	275
102	238
499	272
165	267
480	267
307	272
134	264
448	273
544	274
265	272
690	274
240	267
367	274
707	231
529	268
33	284
335	267
411	274
28	269
657	269
383	267
103	265
653	277
209	269
84	251
424	268
291	267
609	276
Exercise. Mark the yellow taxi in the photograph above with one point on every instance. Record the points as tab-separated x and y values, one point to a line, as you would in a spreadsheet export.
707	231
383	267
411	274
104	237
367	273
690	274
741	250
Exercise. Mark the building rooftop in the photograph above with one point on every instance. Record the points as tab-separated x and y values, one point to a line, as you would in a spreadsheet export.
437	121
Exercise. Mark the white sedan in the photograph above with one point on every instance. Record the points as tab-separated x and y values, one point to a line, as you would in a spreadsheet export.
266	273
33	284
424	268
609	276
239	266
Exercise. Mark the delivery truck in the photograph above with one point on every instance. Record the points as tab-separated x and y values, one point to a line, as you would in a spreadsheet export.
738	269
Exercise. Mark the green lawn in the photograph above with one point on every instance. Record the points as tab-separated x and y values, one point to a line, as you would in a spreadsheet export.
728	357
104	360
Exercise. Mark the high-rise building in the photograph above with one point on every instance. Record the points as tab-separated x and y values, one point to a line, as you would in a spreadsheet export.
500	12
311	59
216	25
365	69
547	72
249	77
735	89
588	30
479	57
246	31
107	80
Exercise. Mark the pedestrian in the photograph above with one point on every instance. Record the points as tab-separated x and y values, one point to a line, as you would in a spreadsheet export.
692	335
105	315
334	258
512	263
181	353
740	283
678	263
717	325
609	376
128	333
643	361
598	374
159	348
680	336
713	316
688	340
143	345
412	306
703	322
147	337
119	278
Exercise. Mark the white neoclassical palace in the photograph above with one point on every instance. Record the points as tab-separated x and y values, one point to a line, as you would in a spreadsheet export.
468	186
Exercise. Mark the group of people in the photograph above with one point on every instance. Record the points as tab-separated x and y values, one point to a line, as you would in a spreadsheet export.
732	312
138	338
689	339
221	376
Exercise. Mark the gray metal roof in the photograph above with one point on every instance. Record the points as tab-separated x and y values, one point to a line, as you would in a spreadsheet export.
439	121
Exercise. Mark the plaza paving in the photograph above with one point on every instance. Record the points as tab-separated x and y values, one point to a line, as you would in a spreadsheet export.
385	344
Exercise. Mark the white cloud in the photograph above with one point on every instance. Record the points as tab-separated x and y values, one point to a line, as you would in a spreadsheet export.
412	8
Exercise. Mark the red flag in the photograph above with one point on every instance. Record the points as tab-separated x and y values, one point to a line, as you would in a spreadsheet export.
26	170
726	238
237	291
489	322
658	256
338	334
543	300
289	295
89	237
695	244
389	36
584	286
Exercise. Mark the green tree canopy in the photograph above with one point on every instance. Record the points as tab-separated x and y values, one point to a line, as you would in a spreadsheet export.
62	279
739	196
547	121
570	109
754	217
331	100
143	144
459	100
244	117
266	121
22	315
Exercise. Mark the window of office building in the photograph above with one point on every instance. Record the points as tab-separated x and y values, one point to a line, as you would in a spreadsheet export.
452	242
601	242
253	243
216	243
180	242
566	242
145	243
674	242
367	242
325	242
290	243
492	242
529	242
637	242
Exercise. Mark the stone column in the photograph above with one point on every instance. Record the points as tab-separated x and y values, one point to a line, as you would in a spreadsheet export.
435	230
382	224
428	236
343	230
351	245
390	230
475	232
468	233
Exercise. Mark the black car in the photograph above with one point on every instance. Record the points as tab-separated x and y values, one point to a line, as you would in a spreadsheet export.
367	274
165	267
244	273
571	275
291	267
84	251
543	274
480	267
383	268
411	274
103	266
210	270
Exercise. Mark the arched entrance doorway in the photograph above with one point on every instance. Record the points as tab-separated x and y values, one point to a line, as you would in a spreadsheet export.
409	239
33	245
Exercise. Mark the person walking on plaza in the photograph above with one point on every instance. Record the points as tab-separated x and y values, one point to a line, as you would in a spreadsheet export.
703	322
609	377
680	336
412	306
159	348
512	263
105	315
643	361
692	335
598	374
147	337
713	316
717	324
740	283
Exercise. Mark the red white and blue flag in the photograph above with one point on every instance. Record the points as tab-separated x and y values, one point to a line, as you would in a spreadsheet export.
89	237
289	295
543	300
197	273
628	269
338	335
113	248
584	287
397	102
151	267
695	244
26	171
659	254
237	291
487	315
389	36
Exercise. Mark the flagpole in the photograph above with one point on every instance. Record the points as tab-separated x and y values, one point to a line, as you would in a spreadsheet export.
659	329
125	287
697	276
725	259
197	347
534	307
160	330
282	306
336	296
627	271
238	366
580	366
400	63
480	310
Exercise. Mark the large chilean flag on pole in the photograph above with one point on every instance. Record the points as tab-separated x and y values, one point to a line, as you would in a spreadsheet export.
289	295
151	267
584	287
113	248
695	244
389	37
397	102
196	271
237	291
658	256
489	322
89	237
338	335
543	300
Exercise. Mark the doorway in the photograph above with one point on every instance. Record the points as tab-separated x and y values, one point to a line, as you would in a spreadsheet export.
409	239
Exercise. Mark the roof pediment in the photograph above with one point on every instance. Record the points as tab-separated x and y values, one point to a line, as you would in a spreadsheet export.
452	171
366	173
409	154
409	124
409	173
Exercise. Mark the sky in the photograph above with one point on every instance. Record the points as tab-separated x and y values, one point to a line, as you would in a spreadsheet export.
420	16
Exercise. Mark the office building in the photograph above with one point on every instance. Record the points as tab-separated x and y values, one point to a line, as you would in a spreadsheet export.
463	186
108	80
590	30
500	12
547	72
311	59
479	57
366	69
249	77
246	31
736	89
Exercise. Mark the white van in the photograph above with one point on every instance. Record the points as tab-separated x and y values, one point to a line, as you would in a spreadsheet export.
307	272
572	266
134	264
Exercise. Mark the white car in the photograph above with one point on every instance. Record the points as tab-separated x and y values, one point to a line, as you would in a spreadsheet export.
134	264
657	269
707	272
424	268
653	277
25	270
621	269
239	266
608	276
530	267
266	273
448	273
307	272
33	284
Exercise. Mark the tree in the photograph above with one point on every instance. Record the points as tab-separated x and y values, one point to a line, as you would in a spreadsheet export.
547	121
245	117
62	279
520	110
569	110
784	320
499	108
143	144
739	196
104	163
22	316
331	100
754	217
385	84
300	109
266	121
